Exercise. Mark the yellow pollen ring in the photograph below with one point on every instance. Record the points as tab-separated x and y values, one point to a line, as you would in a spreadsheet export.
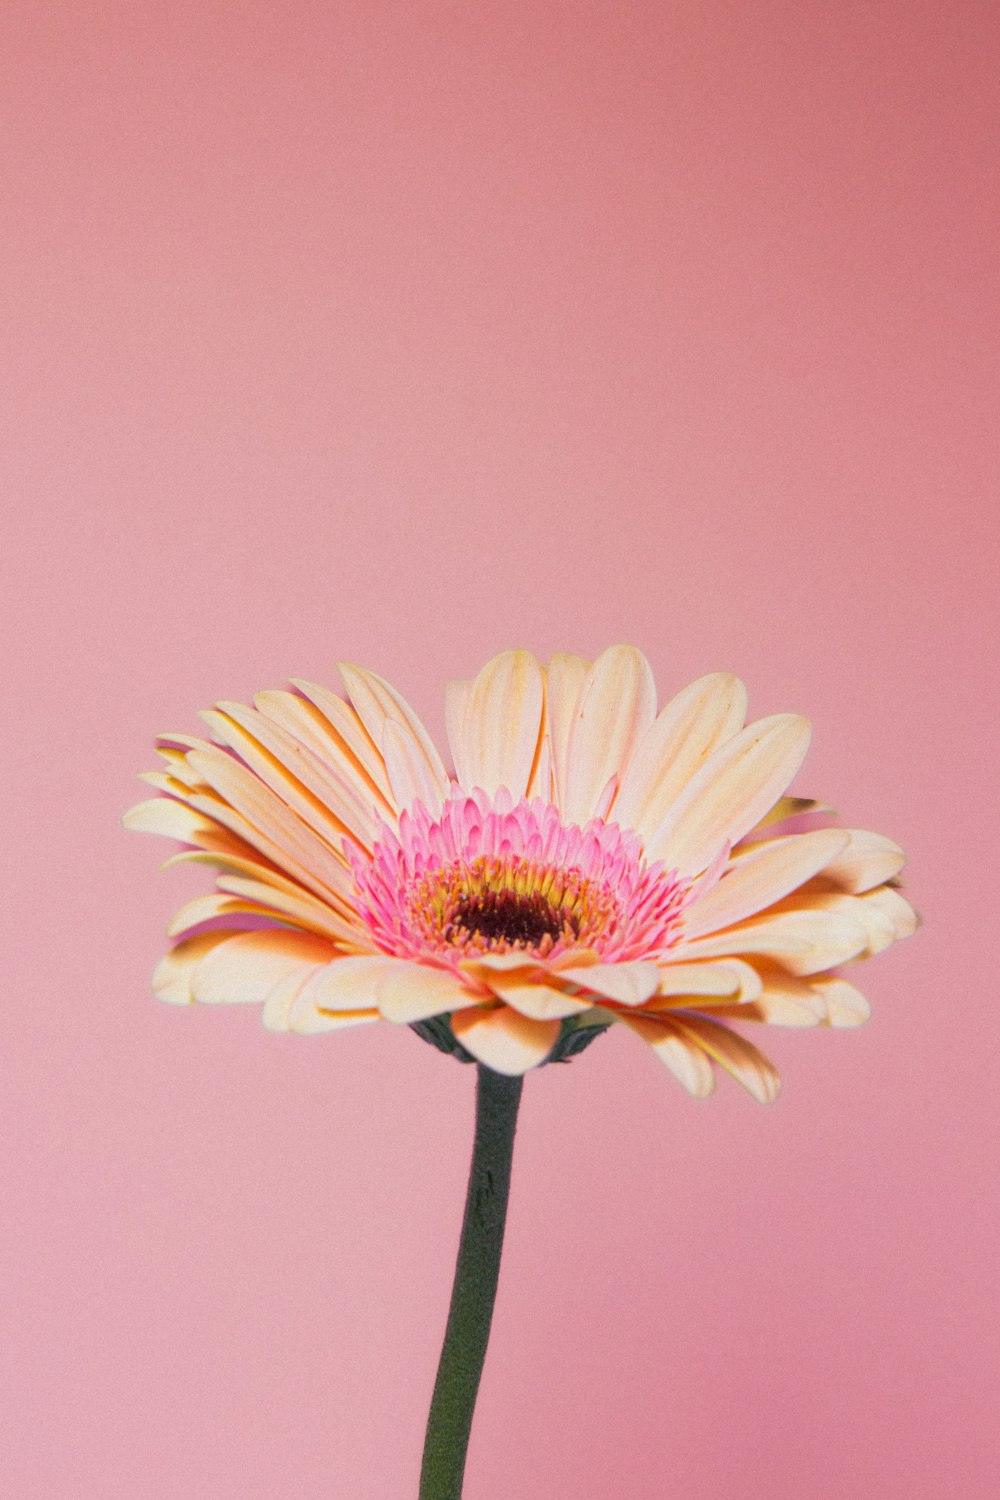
497	903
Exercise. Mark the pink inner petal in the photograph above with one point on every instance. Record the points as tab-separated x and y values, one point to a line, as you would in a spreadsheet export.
486	875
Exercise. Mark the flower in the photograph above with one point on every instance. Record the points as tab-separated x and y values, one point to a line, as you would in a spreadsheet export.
589	862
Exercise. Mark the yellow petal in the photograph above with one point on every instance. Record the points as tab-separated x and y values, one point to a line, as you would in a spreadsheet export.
733	789
615	708
705	715
503	1039
502	724
763	875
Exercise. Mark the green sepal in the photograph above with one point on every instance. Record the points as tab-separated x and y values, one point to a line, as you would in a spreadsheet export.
437	1030
575	1036
572	1040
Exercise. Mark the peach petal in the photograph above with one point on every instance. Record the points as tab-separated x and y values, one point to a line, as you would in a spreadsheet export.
733	1052
207	908
773	1010
627	983
878	925
172	975
237	834
573	958
486	964
503	1039
502	724
305	1019
868	861
688	1063
174	820
540	780
410	776
245	969
306	1022
457	694
258	880
408	992
845	1005
726	977
253	864
802	941
347	728
301	719
281	997
731	792
171	785
535	998
296	906
326	798
791	807
784	1000
564	677
895	908
376	701
273	826
227	836
615	709
693	724
349	983
763	875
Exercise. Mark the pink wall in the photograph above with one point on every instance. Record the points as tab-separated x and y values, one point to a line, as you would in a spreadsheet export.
402	333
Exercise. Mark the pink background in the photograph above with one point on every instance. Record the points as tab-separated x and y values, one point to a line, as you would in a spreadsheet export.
402	333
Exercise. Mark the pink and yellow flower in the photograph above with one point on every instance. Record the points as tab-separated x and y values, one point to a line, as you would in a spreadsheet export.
590	861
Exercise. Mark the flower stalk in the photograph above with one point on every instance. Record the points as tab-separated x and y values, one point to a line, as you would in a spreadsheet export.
474	1291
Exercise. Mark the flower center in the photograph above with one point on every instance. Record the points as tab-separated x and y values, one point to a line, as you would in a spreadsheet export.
506	917
496	903
488	875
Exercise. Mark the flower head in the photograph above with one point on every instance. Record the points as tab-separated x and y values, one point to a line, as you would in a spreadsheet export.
590	861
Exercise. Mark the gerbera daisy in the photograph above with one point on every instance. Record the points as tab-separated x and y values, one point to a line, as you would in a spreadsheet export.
589	861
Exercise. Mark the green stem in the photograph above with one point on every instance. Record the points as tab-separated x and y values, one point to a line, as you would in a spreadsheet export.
475	1287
